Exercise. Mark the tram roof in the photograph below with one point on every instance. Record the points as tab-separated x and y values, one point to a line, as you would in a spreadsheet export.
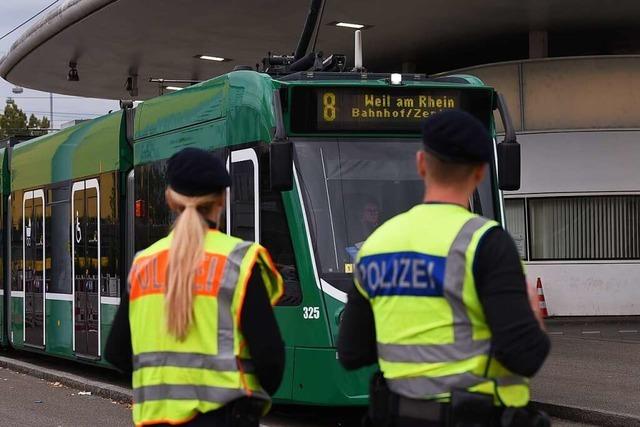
113	39
90	148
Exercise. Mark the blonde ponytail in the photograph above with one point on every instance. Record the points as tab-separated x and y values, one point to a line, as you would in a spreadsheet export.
185	255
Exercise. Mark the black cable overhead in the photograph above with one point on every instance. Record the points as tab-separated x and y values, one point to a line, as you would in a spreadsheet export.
315	40
307	32
29	20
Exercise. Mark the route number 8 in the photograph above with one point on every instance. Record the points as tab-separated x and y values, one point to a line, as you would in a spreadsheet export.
329	103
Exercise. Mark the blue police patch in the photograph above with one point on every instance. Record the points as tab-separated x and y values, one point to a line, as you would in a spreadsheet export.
402	273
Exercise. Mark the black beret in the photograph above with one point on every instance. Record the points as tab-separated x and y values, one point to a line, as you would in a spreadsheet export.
457	136
195	172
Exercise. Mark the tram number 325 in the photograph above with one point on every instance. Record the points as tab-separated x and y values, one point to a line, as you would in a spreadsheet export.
310	312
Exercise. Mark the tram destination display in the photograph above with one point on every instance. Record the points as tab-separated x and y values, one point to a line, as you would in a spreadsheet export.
379	109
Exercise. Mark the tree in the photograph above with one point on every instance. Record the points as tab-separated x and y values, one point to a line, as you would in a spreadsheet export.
35	123
45	123
13	122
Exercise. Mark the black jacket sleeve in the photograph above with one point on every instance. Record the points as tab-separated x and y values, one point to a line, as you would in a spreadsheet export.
260	329
518	342
357	335
118	350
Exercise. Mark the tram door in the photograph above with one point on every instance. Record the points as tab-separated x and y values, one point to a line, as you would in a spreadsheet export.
243	199
33	273
85	237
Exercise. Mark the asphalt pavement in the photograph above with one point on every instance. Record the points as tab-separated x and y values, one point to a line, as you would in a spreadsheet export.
29	401
593	366
592	377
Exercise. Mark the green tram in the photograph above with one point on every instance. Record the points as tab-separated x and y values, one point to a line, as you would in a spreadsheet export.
313	158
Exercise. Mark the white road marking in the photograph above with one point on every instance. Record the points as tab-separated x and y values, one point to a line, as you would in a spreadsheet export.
556	333
590	332
628	331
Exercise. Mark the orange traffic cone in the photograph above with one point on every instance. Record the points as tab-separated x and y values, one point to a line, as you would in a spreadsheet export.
541	301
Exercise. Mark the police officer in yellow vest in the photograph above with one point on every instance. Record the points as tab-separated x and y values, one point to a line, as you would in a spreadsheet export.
441	303
197	329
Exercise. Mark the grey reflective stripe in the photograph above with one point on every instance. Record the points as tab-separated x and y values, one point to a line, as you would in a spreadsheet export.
434	353
188	360
463	347
230	277
454	275
421	387
189	392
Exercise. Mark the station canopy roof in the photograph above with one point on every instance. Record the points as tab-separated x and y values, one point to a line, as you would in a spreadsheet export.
111	40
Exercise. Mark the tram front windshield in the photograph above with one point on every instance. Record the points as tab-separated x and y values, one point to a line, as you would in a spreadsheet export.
351	187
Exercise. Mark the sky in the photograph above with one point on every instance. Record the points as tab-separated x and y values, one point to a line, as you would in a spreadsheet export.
65	108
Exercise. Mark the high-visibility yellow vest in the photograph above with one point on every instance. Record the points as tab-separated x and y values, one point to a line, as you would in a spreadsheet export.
417	272
173	381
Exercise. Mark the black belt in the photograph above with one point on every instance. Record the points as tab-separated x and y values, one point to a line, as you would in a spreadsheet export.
426	410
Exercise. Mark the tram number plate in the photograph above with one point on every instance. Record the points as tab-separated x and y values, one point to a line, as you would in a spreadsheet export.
311	312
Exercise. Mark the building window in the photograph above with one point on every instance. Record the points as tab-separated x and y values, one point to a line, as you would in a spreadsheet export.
516	224
585	228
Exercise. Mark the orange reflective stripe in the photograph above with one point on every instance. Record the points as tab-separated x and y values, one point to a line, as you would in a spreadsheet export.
149	275
243	288
276	275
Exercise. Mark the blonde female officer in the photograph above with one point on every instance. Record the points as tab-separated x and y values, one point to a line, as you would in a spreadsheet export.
197	329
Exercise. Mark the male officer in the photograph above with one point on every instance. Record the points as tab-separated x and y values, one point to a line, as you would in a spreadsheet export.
441	302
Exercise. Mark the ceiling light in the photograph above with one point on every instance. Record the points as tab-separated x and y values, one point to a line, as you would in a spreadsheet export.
212	58
174	88
349	25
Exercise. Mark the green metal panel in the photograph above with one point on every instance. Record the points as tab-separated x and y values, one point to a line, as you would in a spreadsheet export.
319	378
59	328
241	102
89	148
107	313
284	392
208	136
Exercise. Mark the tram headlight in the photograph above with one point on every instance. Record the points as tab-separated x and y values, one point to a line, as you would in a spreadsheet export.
396	79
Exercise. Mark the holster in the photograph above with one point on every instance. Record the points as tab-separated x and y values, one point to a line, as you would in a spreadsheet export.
383	403
524	417
246	412
469	409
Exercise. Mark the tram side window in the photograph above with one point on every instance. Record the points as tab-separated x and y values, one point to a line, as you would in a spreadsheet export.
57	222
153	218
110	252
242	200
16	241
276	236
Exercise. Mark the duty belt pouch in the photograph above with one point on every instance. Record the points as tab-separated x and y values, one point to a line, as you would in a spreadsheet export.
246	412
383	403
470	409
